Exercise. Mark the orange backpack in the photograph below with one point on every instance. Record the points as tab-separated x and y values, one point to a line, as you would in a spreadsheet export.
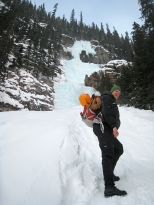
85	100
90	104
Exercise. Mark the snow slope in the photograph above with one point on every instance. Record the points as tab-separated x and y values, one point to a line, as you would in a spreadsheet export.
52	158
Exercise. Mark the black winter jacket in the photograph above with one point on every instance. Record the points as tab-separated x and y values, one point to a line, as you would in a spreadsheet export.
110	110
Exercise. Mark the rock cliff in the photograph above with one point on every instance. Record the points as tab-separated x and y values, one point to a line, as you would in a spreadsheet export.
102	55
21	90
111	70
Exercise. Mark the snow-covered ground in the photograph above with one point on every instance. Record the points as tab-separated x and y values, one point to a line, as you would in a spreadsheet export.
53	158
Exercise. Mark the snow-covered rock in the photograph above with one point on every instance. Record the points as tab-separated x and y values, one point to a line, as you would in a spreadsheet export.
21	90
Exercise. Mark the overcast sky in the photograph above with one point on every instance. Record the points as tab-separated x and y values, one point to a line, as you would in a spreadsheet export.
120	14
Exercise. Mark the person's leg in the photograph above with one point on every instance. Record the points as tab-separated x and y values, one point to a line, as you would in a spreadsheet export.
112	190
118	151
106	143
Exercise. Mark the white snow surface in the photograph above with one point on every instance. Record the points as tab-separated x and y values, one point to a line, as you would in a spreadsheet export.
53	158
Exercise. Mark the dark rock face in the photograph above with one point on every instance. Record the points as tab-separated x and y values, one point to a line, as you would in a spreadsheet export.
84	57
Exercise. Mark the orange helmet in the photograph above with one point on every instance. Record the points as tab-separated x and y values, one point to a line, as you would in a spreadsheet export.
85	100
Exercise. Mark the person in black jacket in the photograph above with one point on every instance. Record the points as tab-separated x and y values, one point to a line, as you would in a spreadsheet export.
110	146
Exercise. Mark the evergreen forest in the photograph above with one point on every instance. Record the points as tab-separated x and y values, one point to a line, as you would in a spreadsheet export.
31	38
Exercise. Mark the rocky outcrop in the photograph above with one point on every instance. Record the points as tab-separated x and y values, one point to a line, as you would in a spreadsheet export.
94	80
65	47
112	69
67	40
21	90
102	56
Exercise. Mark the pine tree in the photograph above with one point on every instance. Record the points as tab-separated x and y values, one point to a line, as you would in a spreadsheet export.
147	9
109	35
143	39
117	44
53	16
8	23
128	48
72	23
64	25
105	83
81	26
125	82
54	11
102	36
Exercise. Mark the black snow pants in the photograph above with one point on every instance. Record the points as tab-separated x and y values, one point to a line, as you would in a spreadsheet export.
111	150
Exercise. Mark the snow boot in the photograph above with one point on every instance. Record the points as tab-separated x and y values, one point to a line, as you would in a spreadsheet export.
115	178
112	191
